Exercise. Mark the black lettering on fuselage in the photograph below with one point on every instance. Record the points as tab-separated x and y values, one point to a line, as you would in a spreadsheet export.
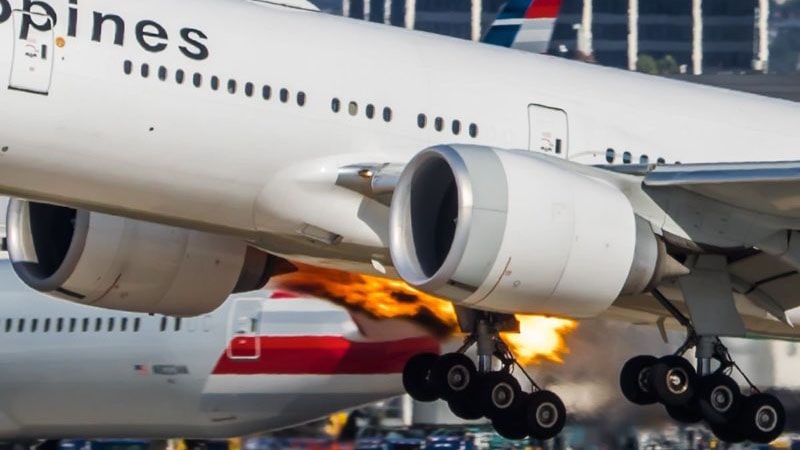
72	20
151	36
119	27
196	49
5	14
35	19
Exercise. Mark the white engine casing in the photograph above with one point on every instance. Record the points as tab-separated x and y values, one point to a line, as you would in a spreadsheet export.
529	236
117	263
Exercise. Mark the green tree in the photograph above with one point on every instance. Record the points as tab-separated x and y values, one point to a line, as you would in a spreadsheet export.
668	66
647	64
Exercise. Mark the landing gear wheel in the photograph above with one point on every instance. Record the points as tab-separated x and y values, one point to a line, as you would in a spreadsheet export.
416	377
512	425
546	415
465	406
673	380
762	418
499	394
688	414
634	380
453	374
729	433
719	398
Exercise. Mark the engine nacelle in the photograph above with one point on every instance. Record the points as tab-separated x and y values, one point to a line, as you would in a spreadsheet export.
125	264
513	231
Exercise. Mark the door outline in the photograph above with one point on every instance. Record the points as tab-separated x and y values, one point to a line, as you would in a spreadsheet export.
35	53
244	325
558	150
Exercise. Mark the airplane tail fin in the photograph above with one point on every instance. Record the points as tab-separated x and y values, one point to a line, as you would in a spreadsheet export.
525	25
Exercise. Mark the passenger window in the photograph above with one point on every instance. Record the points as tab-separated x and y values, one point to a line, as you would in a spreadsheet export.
21	325
34	325
85	325
456	127
111	324
473	130
180	75
162	73
98	324
644	159
231	86
248	89
352	108
370	111
626	157
136	323
214	83
266	92
145	70
163	324
197	80
60	324
336	105
177	324
123	324
610	155
127	66
46	325
387	114
301	98
422	120
72	324
438	124
9	324
284	95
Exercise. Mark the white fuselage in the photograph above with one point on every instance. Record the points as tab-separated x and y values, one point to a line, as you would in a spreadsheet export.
223	161
252	365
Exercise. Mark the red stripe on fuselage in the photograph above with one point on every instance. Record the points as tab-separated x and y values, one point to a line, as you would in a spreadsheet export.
541	9
319	355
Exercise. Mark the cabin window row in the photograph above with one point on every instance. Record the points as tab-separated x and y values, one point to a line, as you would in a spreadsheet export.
230	85
627	158
369	110
73	325
439	124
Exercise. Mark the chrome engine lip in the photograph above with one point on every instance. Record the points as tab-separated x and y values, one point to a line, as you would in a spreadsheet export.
404	256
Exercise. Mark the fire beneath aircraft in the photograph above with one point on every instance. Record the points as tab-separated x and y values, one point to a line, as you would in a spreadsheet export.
540	338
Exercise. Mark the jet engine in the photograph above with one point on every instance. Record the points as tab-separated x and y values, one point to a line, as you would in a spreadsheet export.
125	264
513	231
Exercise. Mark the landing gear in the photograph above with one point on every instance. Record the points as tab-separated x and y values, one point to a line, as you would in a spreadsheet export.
479	391
692	395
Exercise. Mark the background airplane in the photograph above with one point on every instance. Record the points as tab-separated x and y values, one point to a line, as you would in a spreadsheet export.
262	361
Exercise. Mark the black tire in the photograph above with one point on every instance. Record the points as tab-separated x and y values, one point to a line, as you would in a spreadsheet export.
762	418
499	393
634	380
546	415
728	432
416	377
673	380
452	374
466	406
718	398
686	414
514	424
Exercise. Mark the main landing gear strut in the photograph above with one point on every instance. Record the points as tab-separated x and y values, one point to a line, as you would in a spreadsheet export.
473	392
695	394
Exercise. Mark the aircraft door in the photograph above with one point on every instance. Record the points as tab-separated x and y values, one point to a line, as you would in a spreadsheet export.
549	132
243	329
32	61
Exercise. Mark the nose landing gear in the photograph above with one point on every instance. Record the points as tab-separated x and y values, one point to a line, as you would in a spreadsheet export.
479	391
692	395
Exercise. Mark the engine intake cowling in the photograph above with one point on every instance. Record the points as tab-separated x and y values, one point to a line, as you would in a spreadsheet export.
125	264
513	231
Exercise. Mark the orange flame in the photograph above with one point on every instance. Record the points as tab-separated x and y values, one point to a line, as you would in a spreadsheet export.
540	338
